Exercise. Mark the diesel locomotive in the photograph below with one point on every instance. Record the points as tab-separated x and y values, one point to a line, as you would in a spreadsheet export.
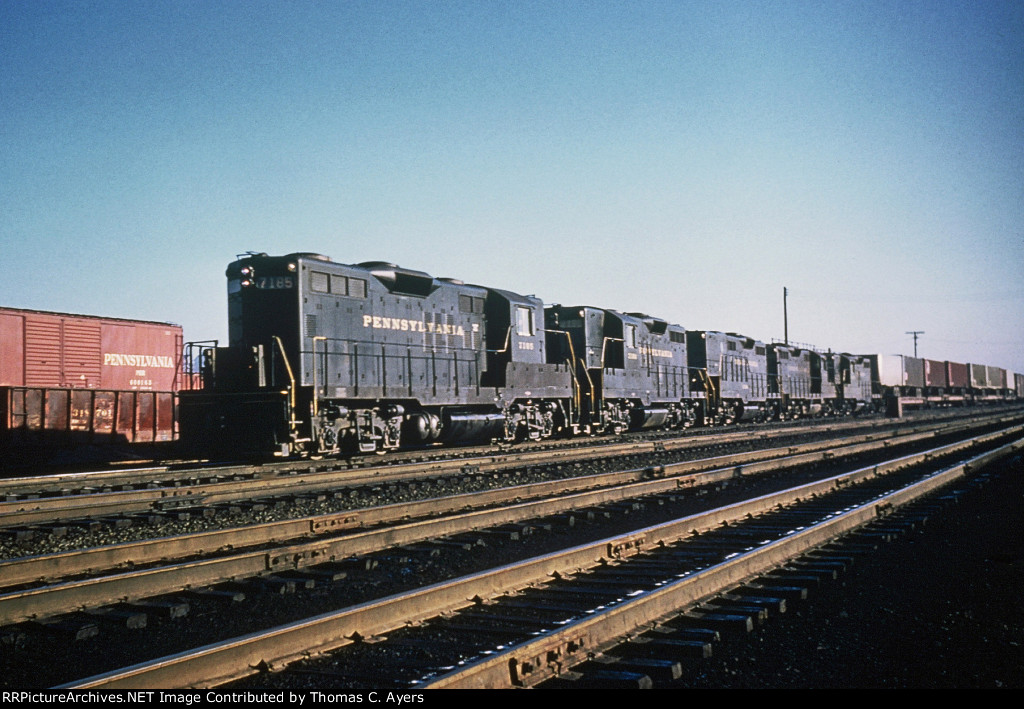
326	358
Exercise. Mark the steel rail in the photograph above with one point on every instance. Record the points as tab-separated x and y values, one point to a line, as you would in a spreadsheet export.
61	483
108	480
536	660
20	513
232	659
47	601
50	567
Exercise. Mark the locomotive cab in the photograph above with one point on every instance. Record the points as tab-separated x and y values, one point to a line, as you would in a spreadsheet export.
536	395
855	383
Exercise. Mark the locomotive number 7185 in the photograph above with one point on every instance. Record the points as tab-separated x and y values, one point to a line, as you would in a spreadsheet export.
274	282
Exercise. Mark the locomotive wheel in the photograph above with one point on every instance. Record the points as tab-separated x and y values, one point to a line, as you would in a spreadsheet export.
616	418
513	431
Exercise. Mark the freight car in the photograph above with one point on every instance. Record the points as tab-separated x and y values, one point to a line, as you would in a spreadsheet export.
68	378
326	358
901	381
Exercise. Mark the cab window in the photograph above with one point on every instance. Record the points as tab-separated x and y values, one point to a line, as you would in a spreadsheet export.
524	321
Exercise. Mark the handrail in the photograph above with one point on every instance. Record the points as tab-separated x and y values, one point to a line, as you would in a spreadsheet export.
316	398
291	381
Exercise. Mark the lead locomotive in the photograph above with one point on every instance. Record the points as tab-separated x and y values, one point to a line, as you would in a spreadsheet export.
325	357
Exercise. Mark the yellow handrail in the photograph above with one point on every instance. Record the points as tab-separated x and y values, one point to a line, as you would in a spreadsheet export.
291	379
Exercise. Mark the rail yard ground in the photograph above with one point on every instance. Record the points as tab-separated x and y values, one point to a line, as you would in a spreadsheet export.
938	608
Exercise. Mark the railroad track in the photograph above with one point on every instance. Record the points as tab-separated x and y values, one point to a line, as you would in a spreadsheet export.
167	565
175	480
306	556
587	599
71	499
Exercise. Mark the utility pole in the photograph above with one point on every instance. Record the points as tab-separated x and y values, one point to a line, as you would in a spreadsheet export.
915	333
785	316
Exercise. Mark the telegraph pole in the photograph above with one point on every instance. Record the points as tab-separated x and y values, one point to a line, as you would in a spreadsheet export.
915	333
785	316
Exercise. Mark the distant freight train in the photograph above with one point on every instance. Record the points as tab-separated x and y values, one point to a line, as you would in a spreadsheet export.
326	357
68	379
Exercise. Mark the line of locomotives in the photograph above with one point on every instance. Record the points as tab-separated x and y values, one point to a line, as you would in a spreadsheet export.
329	358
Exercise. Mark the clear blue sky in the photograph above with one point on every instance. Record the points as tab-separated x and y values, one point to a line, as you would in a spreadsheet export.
686	159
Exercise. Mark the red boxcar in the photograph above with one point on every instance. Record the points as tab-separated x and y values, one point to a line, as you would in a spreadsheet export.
86	378
39	349
996	378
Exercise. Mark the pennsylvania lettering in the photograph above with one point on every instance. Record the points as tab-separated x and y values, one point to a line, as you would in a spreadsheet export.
137	360
381	323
